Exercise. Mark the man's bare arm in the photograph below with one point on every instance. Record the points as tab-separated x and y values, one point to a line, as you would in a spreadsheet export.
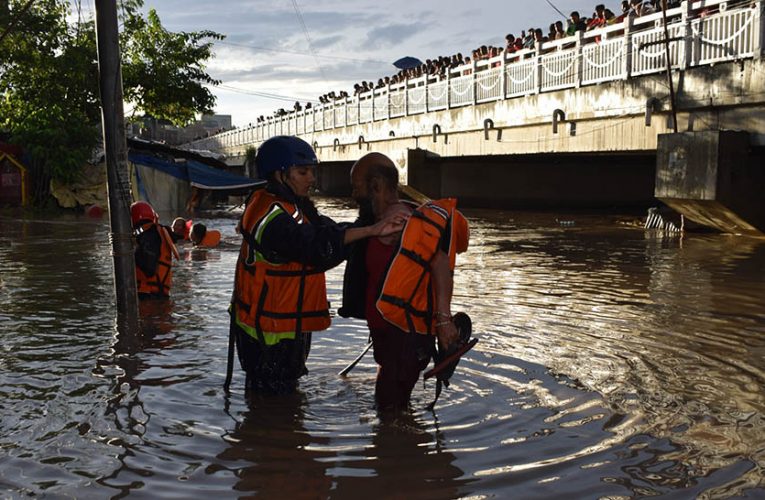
443	285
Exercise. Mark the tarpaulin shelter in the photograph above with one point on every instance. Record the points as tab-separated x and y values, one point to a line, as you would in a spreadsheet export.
169	178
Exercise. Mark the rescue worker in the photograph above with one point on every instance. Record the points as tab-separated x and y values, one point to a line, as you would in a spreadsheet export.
407	280
153	254
200	236
181	229
279	286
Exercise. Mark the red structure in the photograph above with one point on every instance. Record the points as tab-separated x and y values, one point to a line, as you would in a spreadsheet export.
14	181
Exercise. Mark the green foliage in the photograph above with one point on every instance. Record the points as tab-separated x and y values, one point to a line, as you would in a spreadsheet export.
163	70
49	79
249	155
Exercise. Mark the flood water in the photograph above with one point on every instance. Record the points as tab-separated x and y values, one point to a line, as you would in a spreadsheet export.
612	363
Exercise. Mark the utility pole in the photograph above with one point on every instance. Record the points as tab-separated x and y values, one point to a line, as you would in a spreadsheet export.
115	149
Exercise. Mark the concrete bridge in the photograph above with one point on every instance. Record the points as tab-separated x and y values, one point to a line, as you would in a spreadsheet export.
573	122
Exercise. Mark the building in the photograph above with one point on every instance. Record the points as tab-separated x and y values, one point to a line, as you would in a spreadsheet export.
151	129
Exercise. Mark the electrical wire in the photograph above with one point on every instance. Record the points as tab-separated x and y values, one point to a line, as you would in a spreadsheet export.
256	93
308	39
557	9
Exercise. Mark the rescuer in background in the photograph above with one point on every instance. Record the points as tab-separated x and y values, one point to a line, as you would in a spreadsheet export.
153	254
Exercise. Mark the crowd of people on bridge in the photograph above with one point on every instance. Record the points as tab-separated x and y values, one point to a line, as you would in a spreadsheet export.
514	48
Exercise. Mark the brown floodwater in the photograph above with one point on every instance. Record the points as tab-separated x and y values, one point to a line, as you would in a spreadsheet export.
613	363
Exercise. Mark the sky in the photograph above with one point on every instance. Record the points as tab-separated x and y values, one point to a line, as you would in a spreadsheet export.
280	51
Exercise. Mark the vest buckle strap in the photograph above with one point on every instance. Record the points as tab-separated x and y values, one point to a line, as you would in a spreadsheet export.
415	257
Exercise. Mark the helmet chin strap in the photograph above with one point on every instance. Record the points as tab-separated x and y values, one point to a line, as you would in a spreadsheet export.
284	179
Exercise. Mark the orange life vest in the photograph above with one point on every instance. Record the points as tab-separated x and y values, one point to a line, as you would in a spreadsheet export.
406	299
271	297
162	279
211	239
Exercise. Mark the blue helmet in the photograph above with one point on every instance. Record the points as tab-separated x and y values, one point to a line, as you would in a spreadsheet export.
282	152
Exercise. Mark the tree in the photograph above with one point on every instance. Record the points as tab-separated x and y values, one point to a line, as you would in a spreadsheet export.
49	81
162	73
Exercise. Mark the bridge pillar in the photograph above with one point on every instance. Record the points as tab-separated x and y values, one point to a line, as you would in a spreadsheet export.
714	178
334	178
423	173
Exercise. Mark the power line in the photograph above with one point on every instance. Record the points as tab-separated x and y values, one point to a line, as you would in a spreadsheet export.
266	95
557	9
308	38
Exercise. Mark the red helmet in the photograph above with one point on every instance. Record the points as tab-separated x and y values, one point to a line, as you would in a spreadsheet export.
140	211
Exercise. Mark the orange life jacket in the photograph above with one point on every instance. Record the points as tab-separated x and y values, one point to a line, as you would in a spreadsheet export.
406	299
271	297
162	279
211	239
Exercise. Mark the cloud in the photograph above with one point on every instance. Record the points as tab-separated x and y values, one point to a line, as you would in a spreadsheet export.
392	34
266	25
340	76
266	48
325	42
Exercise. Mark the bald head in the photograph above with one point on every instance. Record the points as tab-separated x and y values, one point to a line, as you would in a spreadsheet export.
371	162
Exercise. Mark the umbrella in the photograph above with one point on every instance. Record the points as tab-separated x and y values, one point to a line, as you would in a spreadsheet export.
407	62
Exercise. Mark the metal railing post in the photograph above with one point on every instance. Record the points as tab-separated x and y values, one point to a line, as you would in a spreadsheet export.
387	115
406	96
538	68
502	77
474	82
627	48
579	61
427	96
686	53
448	88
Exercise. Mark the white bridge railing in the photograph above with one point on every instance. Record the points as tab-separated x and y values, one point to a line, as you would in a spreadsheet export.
700	33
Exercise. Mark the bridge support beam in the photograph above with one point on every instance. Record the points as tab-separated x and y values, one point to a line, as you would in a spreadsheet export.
536	180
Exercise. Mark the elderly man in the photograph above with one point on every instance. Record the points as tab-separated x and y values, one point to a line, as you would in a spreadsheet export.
354	279
403	318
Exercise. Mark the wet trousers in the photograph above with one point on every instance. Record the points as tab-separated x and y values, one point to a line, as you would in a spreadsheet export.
271	369
400	357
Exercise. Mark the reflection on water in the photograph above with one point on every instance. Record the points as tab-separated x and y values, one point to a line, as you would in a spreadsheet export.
612	362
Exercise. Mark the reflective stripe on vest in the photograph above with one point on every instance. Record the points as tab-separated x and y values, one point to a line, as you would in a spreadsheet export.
273	301
406	298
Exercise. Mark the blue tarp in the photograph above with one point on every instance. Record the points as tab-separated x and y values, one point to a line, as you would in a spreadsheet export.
196	173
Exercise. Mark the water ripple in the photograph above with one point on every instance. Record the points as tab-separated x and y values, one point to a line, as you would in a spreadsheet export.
611	364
